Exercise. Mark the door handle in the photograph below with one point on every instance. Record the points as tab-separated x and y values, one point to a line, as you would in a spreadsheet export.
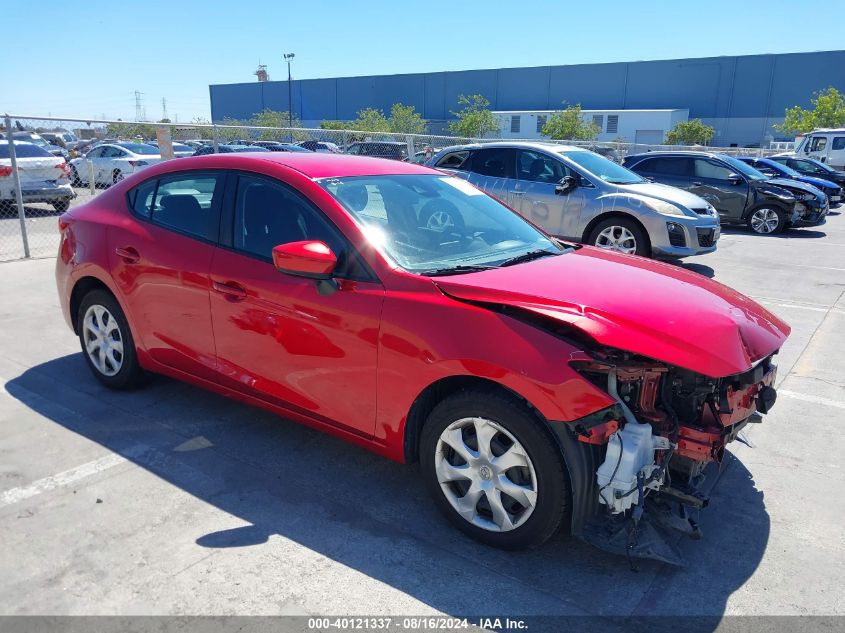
518	193
233	291
697	184
127	254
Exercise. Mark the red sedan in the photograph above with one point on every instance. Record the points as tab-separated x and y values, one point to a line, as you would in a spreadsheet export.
406	311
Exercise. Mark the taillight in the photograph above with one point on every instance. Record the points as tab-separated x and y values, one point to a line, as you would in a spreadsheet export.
65	171
5	171
67	247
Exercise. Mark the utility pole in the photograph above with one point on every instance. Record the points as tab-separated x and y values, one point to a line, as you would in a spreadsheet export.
138	110
288	58
163	108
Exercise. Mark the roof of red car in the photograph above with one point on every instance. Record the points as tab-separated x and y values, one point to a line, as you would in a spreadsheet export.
313	165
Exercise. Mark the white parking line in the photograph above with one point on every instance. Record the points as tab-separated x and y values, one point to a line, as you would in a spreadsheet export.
64	478
814	399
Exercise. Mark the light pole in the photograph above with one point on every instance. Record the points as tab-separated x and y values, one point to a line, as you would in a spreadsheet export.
288	58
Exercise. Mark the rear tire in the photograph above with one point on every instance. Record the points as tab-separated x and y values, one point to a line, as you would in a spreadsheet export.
511	488
766	220
107	343
622	235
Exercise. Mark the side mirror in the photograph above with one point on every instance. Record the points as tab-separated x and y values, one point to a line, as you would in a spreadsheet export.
566	184
735	180
311	258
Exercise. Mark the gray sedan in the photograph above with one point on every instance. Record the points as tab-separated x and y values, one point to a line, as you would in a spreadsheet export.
578	195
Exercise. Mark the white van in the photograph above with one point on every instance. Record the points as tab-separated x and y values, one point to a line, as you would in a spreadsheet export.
826	145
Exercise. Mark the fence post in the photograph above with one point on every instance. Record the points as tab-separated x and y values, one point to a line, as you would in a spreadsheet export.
92	180
16	177
345	137
215	138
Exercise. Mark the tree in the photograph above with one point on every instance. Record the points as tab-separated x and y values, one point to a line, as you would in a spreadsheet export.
475	119
371	120
406	120
692	132
828	111
334	125
567	124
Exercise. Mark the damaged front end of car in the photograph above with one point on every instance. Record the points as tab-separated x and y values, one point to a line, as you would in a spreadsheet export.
651	452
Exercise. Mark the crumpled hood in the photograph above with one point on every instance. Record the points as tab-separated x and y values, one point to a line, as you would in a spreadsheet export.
793	185
634	304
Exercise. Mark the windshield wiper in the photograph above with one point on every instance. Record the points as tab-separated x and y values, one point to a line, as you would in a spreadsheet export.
527	257
456	270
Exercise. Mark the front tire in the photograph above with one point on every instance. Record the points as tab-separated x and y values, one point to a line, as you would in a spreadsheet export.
493	470
622	235
107	343
62	205
766	220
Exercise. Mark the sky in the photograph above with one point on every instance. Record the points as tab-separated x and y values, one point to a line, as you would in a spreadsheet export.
87	59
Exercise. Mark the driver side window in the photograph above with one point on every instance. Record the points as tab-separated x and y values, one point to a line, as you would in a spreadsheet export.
537	167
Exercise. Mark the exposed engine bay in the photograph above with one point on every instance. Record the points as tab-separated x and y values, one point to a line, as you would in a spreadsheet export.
668	425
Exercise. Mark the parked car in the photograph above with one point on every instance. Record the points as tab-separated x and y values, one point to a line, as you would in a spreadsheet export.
826	146
810	167
275	146
61	139
38	140
419	158
240	141
112	162
43	177
228	149
740	193
323	147
576	194
503	360
774	169
379	149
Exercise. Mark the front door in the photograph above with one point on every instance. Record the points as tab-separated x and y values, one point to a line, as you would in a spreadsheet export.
277	337
533	194
720	186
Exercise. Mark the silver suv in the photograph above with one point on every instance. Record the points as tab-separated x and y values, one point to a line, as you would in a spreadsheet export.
578	195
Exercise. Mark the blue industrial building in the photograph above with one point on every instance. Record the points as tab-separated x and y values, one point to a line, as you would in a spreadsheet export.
742	97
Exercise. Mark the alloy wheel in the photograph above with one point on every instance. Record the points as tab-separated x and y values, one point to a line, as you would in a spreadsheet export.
486	474
764	221
440	221
103	340
617	238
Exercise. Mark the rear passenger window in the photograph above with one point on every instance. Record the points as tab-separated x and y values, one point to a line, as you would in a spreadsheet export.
185	203
497	162
666	166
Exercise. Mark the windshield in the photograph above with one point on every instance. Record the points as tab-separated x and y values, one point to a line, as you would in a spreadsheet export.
432	224
600	167
825	168
140	148
743	168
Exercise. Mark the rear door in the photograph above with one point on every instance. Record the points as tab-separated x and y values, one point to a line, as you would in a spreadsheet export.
493	169
720	186
160	261
533	194
669	170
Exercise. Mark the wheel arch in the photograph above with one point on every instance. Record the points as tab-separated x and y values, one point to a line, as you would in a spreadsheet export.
82	287
615	214
437	391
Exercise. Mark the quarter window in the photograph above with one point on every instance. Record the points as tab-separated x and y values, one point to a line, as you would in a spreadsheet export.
454	160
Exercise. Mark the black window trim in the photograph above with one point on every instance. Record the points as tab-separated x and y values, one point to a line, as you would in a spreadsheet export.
226	233
213	234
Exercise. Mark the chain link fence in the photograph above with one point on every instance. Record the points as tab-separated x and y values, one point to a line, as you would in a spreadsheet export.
48	164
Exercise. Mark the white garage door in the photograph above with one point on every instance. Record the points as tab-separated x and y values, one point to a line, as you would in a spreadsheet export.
649	137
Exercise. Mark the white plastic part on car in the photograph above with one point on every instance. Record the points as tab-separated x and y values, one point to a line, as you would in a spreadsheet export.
630	451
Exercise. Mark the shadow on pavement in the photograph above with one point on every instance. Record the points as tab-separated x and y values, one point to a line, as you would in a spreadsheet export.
374	516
